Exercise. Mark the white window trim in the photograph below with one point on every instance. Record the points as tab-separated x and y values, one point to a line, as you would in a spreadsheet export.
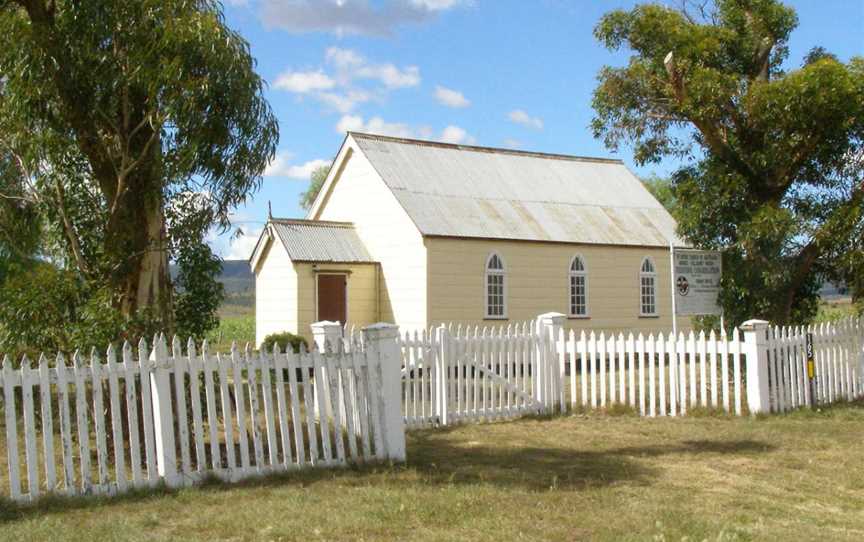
502	273
570	275
646	274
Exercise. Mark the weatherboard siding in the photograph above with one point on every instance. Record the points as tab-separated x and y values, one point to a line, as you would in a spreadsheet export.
537	276
275	293
359	195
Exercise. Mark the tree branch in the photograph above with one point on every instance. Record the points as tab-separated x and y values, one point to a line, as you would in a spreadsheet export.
715	140
70	232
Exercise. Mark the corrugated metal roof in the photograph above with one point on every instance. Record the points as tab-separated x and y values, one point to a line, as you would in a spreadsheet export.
467	191
320	241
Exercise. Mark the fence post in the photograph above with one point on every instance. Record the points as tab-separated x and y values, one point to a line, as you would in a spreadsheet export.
327	336
163	416
327	332
383	351
550	376
756	346
443	354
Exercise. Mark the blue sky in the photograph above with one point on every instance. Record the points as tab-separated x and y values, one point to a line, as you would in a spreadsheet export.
501	73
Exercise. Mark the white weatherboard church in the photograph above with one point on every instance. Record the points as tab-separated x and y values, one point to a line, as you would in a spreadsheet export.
418	233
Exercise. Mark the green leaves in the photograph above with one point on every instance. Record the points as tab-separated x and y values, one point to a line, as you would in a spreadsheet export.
773	186
141	125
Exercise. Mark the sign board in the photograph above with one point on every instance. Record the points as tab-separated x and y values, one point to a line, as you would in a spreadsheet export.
696	276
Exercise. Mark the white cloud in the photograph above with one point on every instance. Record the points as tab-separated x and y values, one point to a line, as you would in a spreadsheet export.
304	82
351	65
281	166
455	134
241	247
343	89
345	103
521	117
377	125
345	17
451	98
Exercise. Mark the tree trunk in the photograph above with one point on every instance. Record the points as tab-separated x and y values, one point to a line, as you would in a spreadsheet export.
137	245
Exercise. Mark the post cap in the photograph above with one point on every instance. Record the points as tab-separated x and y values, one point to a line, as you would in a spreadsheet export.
551	316
753	325
381	329
324	324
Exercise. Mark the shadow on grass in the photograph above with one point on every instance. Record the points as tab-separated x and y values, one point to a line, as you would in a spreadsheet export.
435	458
443	461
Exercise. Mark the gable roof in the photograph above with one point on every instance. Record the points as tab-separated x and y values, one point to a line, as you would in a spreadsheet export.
480	192
314	241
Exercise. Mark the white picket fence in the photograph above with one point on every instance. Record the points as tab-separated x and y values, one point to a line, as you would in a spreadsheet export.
838	355
177	418
762	369
455	373
452	373
655	374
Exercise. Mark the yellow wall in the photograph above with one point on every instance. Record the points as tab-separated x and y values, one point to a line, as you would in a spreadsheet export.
360	196
275	292
362	294
537	276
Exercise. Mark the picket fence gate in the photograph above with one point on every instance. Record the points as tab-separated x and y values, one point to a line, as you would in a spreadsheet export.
453	373
177	418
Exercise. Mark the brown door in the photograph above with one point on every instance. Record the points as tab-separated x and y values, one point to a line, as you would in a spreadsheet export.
332	300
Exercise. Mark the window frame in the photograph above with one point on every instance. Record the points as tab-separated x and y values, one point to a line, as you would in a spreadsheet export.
653	276
487	272
571	274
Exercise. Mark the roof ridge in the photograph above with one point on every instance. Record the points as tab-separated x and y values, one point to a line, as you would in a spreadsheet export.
478	148
310	222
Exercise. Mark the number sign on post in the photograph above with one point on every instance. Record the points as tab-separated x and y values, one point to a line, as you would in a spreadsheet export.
811	371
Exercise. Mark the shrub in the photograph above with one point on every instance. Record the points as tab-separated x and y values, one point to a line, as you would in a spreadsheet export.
282	339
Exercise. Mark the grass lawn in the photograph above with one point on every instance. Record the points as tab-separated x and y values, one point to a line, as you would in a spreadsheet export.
795	477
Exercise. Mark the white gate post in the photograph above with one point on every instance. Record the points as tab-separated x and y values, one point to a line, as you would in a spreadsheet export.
326	332
756	346
327	336
550	376
163	416
443	341
383	351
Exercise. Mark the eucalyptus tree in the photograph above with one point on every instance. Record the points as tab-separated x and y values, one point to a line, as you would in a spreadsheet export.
772	152
316	182
129	129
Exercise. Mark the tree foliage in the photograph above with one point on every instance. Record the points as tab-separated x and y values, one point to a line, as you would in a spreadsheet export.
127	131
773	175
318	177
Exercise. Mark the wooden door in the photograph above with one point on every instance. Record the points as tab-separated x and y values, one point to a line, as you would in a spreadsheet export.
333	298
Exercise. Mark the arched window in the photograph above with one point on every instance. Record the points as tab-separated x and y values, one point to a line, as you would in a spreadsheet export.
496	306
648	287
578	287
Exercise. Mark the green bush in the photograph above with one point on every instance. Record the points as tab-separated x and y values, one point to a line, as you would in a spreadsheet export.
282	339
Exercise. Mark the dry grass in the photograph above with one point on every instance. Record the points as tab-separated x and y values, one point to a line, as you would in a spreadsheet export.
796	477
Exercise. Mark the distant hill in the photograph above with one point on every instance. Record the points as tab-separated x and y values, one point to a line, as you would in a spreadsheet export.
237	276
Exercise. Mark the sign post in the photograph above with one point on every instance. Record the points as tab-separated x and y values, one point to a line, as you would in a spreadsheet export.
672	271
811	371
